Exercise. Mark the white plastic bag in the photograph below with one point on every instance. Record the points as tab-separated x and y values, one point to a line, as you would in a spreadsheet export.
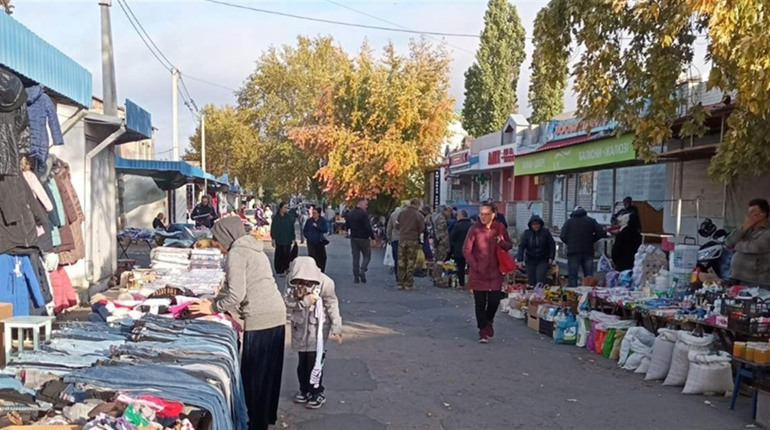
662	350
680	362
388	260
604	264
583	327
709	373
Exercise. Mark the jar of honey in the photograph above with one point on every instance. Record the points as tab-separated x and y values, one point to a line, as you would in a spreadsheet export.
762	355
739	350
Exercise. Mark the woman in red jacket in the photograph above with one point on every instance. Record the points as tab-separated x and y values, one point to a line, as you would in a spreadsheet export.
485	279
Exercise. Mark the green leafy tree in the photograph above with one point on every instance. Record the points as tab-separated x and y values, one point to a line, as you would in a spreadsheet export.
281	94
635	53
549	63
381	124
490	83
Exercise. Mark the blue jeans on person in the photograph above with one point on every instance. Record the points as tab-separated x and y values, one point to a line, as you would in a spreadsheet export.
394	248
575	263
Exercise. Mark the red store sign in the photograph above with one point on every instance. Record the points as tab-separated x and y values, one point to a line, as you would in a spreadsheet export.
460	158
500	156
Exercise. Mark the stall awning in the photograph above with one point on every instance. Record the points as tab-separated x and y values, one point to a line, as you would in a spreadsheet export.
168	175
35	60
613	151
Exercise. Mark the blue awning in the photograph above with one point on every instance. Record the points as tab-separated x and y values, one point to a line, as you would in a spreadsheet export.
168	175
28	55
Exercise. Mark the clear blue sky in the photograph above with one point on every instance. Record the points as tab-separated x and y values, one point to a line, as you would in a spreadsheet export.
220	44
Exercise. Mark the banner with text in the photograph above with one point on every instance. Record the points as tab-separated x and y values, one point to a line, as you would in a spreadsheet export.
589	154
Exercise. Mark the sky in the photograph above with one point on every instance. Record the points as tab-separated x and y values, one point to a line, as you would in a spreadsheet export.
220	44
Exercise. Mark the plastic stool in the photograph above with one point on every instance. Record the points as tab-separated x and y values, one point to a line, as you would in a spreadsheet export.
752	371
22	324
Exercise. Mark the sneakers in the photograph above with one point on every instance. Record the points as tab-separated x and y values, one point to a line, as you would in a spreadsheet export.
316	401
483	336
363	278
301	398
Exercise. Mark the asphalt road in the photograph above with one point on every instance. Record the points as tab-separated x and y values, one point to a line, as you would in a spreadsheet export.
410	360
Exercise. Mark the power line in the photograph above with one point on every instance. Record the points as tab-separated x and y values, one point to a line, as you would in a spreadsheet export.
397	25
348	24
209	83
139	33
128	7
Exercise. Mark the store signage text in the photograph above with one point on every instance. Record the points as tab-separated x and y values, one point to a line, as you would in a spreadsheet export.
589	154
558	130
499	156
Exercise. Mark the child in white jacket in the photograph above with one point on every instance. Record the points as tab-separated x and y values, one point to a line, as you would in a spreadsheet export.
306	284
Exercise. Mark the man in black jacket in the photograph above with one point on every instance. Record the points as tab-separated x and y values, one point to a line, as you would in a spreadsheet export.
580	233
361	234
537	250
204	214
457	240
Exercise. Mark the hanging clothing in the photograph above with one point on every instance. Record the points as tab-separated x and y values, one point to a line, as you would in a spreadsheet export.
74	215
42	113
14	123
18	284
20	214
63	294
38	265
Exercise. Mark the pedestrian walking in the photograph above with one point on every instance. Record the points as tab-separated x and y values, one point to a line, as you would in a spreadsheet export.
283	234
392	234
411	225
361	236
441	243
580	233
457	239
486	280
314	231
537	251
251	293
305	287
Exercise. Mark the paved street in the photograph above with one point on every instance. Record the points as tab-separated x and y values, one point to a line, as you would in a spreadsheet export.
411	361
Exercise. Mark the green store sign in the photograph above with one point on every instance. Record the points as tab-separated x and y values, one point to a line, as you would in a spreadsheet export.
590	154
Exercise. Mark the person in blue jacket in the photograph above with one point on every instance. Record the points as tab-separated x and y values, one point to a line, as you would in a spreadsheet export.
537	250
315	231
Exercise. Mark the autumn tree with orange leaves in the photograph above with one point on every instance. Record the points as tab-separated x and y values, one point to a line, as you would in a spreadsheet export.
378	129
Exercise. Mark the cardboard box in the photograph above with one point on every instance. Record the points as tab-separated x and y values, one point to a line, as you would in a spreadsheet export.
533	322
6	311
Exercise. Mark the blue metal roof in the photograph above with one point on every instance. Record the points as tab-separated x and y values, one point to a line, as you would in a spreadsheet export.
138	120
29	55
168	175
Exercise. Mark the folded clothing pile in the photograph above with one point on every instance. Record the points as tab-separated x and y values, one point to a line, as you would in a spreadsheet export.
167	258
205	258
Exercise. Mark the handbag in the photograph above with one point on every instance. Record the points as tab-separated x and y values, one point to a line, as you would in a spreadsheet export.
505	262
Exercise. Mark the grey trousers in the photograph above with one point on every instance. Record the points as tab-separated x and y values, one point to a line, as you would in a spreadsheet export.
361	247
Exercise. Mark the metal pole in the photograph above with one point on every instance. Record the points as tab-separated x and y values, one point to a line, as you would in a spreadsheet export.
203	152
109	91
678	219
175	112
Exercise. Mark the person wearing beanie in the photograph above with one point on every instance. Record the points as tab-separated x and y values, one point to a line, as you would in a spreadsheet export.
252	293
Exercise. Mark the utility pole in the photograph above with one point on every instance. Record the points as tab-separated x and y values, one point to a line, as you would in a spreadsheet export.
203	152
175	111
109	91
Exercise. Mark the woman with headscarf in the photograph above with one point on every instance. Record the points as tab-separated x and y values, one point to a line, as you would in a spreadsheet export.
251	292
627	243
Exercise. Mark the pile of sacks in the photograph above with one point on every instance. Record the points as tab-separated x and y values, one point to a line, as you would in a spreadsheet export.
678	358
648	262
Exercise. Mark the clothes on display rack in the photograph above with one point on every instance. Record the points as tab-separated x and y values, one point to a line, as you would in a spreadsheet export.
42	117
14	124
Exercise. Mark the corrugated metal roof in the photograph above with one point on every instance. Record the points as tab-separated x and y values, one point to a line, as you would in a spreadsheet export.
29	55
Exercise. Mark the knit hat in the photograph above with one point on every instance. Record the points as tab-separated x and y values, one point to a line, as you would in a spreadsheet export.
12	94
228	230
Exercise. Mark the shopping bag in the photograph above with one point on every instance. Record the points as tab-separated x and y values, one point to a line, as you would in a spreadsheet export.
605	265
388	260
505	262
566	330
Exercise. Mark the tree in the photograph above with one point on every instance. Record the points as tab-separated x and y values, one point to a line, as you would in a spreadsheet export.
281	94
636	52
379	125
7	6
231	146
549	74
490	83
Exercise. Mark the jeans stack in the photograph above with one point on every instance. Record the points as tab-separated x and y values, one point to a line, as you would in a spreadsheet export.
78	376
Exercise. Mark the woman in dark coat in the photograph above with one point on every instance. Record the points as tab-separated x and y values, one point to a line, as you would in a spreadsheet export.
480	251
627	243
456	241
537	251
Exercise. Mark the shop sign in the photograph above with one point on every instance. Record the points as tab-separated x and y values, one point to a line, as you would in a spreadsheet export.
459	159
589	154
574	127
436	188
495	158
